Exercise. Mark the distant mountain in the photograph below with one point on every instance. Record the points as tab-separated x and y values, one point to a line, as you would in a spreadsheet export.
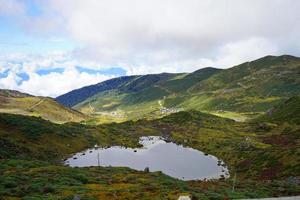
15	102
76	96
246	88
13	93
124	84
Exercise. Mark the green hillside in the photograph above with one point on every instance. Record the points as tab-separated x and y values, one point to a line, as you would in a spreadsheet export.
263	153
253	86
24	104
31	166
144	100
241	92
288	111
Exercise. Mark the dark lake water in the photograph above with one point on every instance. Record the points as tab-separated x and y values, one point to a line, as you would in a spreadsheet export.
174	160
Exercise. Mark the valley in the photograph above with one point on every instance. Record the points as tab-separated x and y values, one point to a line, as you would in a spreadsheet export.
241	92
243	147
246	116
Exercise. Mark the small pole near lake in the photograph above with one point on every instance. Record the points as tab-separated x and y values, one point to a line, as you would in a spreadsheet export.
234	177
234	181
98	156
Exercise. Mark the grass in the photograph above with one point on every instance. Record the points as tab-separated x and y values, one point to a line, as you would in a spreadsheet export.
264	156
23	179
237	116
288	111
43	107
263	152
40	180
252	87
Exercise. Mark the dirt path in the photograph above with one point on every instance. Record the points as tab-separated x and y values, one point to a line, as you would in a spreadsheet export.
91	108
160	102
36	104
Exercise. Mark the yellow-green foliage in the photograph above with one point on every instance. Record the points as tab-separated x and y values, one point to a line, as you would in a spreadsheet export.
251	87
43	107
39	180
263	155
288	111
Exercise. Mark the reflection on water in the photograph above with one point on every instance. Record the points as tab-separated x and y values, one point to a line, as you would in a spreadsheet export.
172	159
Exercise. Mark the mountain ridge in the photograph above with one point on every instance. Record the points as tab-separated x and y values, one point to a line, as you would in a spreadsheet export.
90	90
13	93
253	86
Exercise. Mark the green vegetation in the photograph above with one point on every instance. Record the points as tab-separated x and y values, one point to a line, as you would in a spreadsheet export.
249	88
249	119
288	111
235	142
265	157
23	137
40	180
34	138
23	104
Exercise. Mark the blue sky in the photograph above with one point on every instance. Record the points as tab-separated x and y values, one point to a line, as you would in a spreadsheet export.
117	71
50	47
14	38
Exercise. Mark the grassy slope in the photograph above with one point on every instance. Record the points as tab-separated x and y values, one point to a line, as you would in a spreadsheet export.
253	86
288	111
24	104
240	92
126	84
39	180
263	155
132	100
25	137
235	142
34	138
141	97
76	96
31	150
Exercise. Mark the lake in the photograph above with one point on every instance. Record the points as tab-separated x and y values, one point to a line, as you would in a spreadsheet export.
158	155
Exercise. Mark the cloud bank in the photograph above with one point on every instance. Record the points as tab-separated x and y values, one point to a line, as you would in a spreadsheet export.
22	72
137	33
143	36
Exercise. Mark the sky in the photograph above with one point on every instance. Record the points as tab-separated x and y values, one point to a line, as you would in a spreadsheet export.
50	47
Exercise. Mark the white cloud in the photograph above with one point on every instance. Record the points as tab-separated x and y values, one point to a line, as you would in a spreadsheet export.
12	7
245	50
154	36
50	84
226	56
147	35
9	82
54	84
